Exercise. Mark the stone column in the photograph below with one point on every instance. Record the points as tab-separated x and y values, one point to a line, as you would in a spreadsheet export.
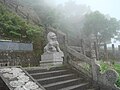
93	60
65	61
83	46
106	52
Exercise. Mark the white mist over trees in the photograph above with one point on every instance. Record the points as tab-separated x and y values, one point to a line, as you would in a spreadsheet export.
68	17
101	27
76	20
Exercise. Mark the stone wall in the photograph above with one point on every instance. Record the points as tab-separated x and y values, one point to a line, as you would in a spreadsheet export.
14	46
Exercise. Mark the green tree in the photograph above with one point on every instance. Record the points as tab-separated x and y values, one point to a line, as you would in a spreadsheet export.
100	26
14	27
11	25
35	34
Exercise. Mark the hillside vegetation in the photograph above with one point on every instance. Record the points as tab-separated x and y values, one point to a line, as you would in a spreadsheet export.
13	27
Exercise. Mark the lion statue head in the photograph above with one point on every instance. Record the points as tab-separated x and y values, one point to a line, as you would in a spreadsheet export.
53	45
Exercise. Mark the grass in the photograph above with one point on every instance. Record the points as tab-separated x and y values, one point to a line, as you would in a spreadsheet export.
105	66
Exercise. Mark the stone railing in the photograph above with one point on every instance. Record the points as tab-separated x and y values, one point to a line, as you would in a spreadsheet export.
15	58
75	57
79	49
16	78
79	61
105	81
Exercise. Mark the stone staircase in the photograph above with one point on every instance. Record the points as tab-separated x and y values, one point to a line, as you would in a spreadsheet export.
60	78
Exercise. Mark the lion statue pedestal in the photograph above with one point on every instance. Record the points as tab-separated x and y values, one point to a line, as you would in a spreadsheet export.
52	53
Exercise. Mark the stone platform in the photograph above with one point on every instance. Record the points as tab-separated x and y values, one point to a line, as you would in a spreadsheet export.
52	58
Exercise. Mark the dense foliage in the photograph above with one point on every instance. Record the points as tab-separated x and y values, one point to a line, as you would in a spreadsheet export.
67	18
77	20
102	27
15	28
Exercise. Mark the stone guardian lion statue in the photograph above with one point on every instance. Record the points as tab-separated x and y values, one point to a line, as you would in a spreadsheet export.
53	45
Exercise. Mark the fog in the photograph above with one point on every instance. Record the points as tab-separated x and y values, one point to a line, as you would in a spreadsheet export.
69	16
110	7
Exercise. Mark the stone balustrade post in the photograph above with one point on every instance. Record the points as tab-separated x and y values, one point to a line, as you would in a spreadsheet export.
93	60
93	63
65	50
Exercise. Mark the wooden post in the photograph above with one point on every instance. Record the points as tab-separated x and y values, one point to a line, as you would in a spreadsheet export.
106	52
96	50
82	47
119	48
113	49
113	53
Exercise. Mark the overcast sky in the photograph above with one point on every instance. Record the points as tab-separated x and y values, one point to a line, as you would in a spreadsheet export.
111	7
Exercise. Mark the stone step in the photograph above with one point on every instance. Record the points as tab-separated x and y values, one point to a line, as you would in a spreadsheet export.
54	79
81	86
63	84
91	89
50	74
38	70
60	78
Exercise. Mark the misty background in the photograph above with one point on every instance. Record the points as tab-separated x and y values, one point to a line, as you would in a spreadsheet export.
73	17
83	22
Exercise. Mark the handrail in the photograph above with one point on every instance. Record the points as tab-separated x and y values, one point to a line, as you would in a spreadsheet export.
78	55
7	80
81	63
104	80
79	49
